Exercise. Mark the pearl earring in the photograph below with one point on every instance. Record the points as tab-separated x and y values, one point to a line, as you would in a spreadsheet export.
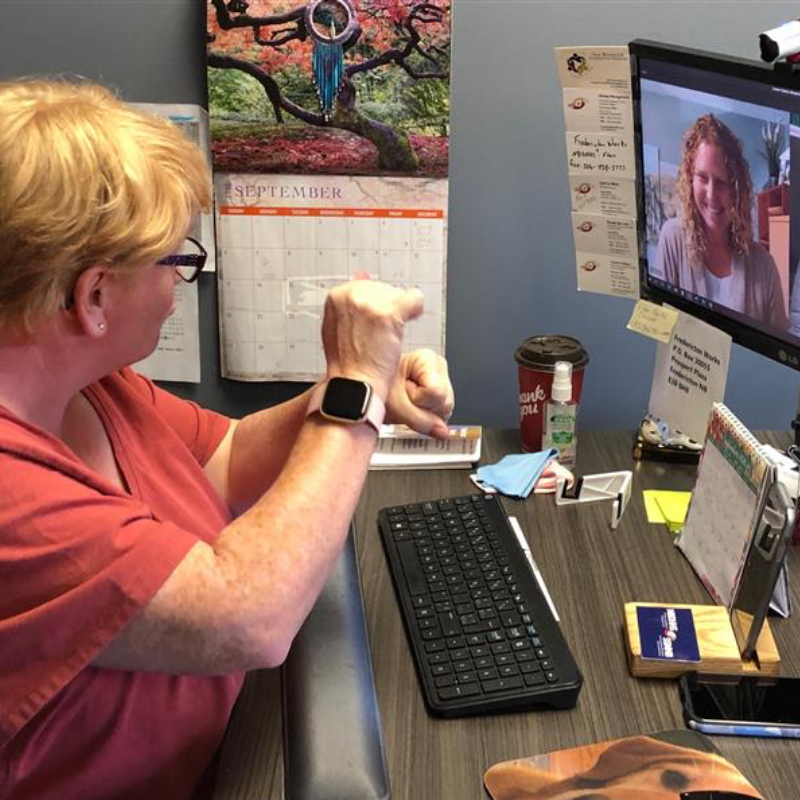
101	326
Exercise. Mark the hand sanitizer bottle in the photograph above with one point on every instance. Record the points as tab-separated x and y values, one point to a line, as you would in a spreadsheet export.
560	416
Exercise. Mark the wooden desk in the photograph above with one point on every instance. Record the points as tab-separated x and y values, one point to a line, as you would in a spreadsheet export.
591	572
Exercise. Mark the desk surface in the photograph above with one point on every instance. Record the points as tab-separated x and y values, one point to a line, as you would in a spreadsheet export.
591	572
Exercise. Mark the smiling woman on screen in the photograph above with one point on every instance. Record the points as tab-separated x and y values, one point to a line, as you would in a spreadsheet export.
709	250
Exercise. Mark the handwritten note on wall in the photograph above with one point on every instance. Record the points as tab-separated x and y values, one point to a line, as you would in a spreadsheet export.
600	154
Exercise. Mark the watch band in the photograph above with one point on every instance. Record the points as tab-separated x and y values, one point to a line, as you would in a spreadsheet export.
373	415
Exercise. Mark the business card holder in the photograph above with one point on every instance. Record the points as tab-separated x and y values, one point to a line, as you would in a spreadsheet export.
716	642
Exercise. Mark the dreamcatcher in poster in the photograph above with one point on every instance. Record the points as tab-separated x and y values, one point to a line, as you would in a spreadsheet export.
330	23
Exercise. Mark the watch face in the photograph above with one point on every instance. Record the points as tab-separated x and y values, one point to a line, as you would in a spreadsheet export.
346	399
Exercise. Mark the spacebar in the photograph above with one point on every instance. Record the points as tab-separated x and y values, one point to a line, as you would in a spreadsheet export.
415	578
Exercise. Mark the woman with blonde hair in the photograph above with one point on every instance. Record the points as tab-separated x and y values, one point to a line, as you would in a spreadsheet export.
152	550
710	250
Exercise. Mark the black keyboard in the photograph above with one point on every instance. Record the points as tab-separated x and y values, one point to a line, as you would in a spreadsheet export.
483	636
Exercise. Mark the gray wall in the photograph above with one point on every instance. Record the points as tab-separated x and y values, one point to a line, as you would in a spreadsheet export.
511	270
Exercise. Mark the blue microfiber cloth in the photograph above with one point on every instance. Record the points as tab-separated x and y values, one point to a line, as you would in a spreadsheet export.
516	475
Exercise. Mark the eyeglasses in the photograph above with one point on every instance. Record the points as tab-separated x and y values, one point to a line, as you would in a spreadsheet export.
188	262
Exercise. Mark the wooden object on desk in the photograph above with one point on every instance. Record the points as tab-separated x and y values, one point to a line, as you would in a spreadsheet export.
719	652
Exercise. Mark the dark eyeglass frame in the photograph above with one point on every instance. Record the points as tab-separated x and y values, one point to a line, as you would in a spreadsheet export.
195	260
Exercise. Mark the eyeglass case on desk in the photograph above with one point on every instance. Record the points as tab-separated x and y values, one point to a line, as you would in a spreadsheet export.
333	745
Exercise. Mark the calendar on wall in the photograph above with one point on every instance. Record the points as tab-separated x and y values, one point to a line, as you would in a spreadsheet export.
286	240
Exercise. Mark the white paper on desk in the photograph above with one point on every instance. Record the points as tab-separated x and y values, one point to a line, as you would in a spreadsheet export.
177	356
690	374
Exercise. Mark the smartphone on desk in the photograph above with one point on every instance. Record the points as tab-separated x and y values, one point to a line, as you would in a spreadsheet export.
761	569
741	705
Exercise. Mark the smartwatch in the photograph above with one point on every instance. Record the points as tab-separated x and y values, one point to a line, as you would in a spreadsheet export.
348	401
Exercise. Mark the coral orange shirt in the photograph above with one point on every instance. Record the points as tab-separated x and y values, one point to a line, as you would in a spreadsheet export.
79	557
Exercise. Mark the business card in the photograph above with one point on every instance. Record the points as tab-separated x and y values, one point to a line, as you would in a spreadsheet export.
667	634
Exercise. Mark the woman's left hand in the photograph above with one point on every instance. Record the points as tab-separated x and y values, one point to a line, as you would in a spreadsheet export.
422	395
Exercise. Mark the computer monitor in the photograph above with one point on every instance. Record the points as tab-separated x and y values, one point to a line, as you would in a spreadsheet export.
718	141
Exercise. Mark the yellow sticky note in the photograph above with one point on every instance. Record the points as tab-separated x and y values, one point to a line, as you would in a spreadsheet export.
654	321
668	508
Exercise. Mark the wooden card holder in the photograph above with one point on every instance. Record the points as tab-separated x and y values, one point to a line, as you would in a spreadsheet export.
719	652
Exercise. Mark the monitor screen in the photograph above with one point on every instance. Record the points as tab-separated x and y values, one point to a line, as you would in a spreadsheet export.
718	148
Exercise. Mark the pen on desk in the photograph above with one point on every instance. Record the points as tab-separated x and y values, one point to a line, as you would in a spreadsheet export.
523	543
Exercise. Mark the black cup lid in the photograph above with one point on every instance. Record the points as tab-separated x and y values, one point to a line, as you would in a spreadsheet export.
542	352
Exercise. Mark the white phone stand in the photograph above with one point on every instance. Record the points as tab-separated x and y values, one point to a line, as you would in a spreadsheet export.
615	486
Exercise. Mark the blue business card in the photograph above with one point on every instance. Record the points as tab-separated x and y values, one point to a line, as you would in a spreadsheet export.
667	633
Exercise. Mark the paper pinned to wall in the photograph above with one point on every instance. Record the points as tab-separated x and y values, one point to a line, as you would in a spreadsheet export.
600	154
601	166
605	67
598	110
609	236
285	241
612	197
177	356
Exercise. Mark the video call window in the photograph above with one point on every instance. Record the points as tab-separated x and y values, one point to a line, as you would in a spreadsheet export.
717	178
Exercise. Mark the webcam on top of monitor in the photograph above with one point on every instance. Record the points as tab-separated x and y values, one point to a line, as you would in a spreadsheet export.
781	42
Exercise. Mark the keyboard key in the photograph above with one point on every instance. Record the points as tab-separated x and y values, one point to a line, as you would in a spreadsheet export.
502	684
525	655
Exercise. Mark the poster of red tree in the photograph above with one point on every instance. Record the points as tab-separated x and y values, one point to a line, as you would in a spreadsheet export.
344	87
